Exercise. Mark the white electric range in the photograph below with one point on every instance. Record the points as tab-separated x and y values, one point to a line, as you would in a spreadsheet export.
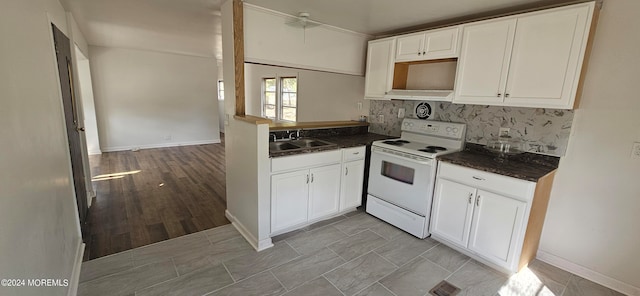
402	172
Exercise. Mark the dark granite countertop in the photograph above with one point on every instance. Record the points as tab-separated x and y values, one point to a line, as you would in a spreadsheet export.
526	166
341	141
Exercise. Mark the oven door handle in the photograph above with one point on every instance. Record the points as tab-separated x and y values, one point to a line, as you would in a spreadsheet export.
422	160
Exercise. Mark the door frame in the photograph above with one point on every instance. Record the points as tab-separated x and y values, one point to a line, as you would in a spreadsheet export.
83	150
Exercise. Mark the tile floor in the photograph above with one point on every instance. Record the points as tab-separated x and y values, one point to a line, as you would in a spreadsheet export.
354	254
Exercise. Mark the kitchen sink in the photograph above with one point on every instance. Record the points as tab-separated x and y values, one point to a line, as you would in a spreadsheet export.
299	144
282	146
308	143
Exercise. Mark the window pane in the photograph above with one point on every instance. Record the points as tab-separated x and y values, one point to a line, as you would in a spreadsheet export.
270	111
289	84
270	98
270	84
289	114
289	100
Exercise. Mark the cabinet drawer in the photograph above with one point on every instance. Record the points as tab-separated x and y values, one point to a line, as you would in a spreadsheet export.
354	153
305	160
513	187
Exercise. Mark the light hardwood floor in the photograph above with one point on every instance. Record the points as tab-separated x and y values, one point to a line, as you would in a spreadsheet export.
152	195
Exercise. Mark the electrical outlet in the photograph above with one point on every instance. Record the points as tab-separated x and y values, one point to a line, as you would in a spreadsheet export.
359	105
504	132
635	152
401	113
380	118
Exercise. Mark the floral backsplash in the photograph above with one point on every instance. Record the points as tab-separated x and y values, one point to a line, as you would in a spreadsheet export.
544	131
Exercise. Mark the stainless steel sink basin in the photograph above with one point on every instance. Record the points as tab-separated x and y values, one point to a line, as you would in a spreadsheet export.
308	143
299	144
282	146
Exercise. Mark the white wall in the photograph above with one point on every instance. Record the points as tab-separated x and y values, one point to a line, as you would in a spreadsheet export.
78	38
147	99
322	96
269	39
39	230
594	212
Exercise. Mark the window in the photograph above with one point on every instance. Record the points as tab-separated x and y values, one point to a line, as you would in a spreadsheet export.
269	98
280	98
220	90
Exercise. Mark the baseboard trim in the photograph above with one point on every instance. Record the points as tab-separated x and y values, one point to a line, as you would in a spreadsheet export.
587	273
94	152
253	241
74	281
162	145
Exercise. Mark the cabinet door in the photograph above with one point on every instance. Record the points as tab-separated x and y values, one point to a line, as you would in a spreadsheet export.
289	199
484	61
324	191
547	57
497	226
410	47
351	184
452	210
379	74
440	44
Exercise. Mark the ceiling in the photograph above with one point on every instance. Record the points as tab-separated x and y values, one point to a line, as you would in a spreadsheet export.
378	17
193	27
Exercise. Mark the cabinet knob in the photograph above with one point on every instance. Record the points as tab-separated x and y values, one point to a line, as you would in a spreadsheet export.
506	95
419	53
478	201
424	53
470	196
478	178
499	95
307	179
346	171
311	178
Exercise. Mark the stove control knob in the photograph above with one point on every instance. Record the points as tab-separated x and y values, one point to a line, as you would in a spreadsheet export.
455	130
448	128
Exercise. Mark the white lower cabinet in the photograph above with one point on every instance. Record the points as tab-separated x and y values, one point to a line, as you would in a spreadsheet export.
324	191
289	199
496	226
486	215
452	210
306	188
351	185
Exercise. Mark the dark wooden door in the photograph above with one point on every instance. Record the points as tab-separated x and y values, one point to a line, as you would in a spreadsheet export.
74	127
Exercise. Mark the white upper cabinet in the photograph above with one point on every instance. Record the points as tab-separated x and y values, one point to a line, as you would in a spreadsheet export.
269	39
429	45
484	62
528	60
548	51
379	73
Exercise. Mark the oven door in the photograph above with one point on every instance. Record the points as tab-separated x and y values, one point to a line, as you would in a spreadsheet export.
402	179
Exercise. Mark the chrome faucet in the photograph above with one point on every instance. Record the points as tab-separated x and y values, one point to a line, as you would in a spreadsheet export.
294	135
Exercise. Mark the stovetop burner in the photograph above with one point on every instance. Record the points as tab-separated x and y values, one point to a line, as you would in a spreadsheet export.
432	149
396	142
